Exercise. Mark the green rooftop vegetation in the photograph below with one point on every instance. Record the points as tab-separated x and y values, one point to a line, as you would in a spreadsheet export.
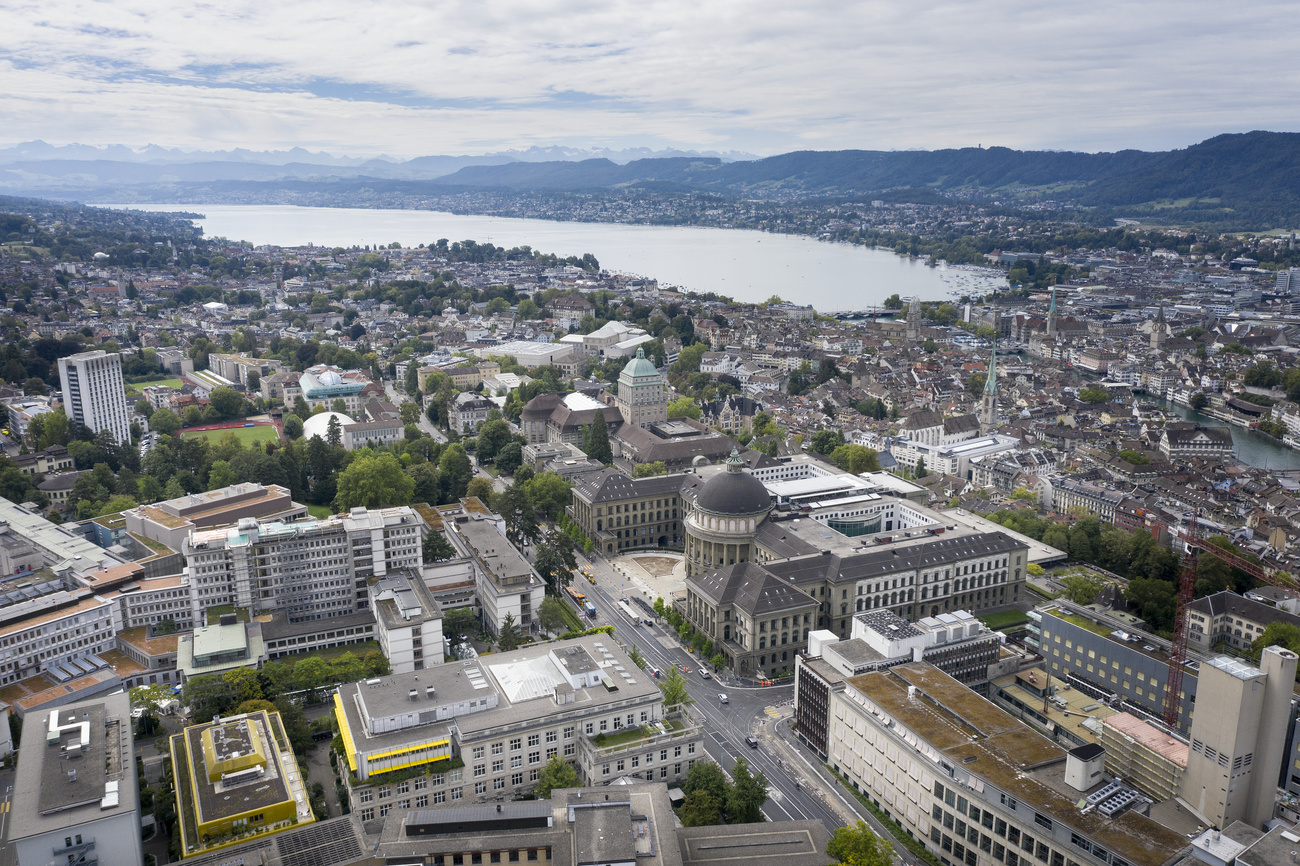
1083	622
214	613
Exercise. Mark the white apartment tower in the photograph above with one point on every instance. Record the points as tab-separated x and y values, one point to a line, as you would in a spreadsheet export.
94	394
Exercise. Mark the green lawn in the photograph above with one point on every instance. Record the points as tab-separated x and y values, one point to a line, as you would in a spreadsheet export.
1083	622
245	435
320	512
135	389
1004	619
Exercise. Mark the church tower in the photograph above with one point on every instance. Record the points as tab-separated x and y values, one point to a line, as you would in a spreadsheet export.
1158	330
1051	318
914	320
642	397
989	402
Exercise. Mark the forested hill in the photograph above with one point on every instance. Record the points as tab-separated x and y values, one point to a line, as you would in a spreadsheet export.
1251	178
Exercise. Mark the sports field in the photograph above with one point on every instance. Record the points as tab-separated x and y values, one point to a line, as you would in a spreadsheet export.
245	435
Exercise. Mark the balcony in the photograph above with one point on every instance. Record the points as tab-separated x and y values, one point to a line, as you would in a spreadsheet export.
678	727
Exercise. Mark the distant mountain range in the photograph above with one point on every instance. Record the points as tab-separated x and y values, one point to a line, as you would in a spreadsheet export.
1249	180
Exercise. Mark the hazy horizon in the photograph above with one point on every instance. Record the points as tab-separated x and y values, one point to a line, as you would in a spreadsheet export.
406	79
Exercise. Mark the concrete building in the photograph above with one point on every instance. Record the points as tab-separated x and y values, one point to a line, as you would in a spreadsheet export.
1144	753
618	512
380	434
642	392
1238	748
75	798
408	621
483	729
236	779
220	647
94	393
1226	617
1192	440
973	784
505	583
311	569
171	522
468	412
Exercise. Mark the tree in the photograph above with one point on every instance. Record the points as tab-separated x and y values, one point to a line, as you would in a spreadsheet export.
1198	401
550	494
858	846
459	623
700	809
510	637
254	383
1157	601
164	422
646	470
482	488
300	408
746	794
673	685
555	560
684	407
244	685
1082	588
856	459
227	402
552	614
1212	575
509	458
455	472
1282	634
437	548
334	432
921	470
376	664
207	696
557	774
220	475
252	706
292	427
708	777
826	441
373	481
595	440
515	505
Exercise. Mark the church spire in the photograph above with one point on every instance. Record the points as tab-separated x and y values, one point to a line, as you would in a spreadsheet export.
1051	317
989	402
914	319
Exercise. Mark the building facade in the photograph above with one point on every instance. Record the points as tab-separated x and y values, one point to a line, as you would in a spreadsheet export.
94	393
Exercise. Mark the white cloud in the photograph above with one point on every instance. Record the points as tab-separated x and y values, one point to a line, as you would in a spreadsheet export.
413	78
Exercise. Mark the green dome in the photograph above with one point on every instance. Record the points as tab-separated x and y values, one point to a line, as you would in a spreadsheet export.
639	367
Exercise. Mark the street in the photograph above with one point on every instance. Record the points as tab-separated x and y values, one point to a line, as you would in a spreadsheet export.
749	711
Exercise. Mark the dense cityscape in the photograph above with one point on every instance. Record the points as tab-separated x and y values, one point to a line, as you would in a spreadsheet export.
459	553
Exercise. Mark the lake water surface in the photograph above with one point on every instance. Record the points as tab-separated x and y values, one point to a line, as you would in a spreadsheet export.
745	265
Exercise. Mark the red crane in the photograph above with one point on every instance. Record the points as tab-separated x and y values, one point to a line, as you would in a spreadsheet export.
1186	584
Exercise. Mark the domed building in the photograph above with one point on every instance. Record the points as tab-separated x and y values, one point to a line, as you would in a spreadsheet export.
722	518
319	425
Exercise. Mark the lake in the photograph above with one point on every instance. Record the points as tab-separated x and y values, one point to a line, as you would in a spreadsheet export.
745	265
1249	446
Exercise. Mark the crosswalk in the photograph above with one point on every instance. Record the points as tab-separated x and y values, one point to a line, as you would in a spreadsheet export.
778	712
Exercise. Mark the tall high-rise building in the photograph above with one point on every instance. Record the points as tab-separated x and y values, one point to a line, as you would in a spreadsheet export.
1239	738
642	397
94	394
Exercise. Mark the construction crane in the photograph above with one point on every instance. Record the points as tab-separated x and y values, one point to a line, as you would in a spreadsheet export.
1195	545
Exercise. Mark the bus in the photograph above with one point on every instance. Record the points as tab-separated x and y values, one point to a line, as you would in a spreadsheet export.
629	611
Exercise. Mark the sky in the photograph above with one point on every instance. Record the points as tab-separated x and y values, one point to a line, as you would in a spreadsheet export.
761	77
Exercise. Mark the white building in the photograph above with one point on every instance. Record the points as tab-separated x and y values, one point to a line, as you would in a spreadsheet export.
408	622
94	393
75	796
311	569
506	585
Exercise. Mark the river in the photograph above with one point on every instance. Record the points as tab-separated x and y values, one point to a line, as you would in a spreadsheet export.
1250	446
743	264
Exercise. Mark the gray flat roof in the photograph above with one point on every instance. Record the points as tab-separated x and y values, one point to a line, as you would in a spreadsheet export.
46	798
787	843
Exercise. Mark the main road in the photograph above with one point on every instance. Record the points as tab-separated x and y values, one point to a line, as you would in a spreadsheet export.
726	726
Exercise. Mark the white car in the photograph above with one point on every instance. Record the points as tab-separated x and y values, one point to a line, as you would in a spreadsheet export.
722	697
704	673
